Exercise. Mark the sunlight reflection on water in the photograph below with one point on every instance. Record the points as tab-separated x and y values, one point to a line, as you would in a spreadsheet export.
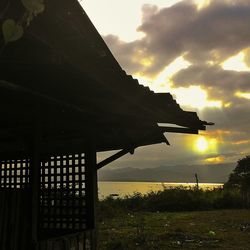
106	188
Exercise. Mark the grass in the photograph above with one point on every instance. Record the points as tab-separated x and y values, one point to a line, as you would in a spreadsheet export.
176	218
217	229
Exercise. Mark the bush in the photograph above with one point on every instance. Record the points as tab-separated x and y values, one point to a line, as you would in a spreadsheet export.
176	199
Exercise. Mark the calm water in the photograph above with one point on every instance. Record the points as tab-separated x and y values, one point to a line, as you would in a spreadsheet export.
126	188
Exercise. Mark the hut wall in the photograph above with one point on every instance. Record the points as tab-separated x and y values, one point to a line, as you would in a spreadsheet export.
64	219
62	195
15	206
14	220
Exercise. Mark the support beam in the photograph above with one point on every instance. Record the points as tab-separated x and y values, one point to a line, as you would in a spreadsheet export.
35	183
115	157
91	192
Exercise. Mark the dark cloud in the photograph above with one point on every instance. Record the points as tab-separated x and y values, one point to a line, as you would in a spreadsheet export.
220	84
211	34
235	119
123	52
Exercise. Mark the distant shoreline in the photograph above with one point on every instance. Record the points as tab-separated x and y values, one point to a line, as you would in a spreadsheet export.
162	182
123	188
173	174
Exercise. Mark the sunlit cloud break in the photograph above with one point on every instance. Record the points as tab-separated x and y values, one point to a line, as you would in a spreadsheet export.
195	97
161	82
236	63
245	95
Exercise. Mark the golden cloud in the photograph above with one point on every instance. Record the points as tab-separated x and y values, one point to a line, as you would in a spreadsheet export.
241	142
214	160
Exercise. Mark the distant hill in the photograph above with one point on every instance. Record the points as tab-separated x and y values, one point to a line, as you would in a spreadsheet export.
217	173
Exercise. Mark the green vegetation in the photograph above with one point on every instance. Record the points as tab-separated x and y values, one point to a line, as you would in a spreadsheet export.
240	179
148	221
13	29
180	218
176	199
219	229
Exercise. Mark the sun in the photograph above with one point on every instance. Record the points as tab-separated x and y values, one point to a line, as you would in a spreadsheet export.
205	144
202	144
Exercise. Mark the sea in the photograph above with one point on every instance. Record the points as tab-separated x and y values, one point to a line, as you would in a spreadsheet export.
121	189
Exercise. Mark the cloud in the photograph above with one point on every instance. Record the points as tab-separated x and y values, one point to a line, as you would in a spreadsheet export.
214	160
235	118
206	38
220	83
200	35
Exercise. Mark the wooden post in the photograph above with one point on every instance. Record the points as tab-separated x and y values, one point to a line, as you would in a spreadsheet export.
35	165
91	192
197	181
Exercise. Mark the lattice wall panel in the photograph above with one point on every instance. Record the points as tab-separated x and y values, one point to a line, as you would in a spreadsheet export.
14	174
62	199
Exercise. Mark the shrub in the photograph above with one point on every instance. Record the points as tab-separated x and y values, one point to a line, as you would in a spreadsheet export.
176	199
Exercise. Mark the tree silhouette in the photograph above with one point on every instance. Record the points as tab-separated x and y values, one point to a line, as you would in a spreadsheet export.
240	178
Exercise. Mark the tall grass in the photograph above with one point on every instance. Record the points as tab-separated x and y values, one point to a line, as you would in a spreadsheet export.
175	199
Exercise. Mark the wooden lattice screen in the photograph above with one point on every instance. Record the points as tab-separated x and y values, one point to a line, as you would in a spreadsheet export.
62	190
14	174
63	205
15	204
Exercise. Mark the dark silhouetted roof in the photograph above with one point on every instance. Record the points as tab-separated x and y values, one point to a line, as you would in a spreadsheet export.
62	73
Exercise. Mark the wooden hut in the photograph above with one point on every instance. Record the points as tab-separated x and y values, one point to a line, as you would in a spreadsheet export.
63	98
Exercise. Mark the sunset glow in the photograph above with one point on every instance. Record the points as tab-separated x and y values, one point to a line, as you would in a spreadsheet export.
215	160
199	52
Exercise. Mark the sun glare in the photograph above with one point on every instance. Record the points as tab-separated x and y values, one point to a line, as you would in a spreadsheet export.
201	4
202	144
205	145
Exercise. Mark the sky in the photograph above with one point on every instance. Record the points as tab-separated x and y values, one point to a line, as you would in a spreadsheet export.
199	51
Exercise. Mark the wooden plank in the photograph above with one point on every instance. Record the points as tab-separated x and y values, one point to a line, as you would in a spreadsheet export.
179	130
